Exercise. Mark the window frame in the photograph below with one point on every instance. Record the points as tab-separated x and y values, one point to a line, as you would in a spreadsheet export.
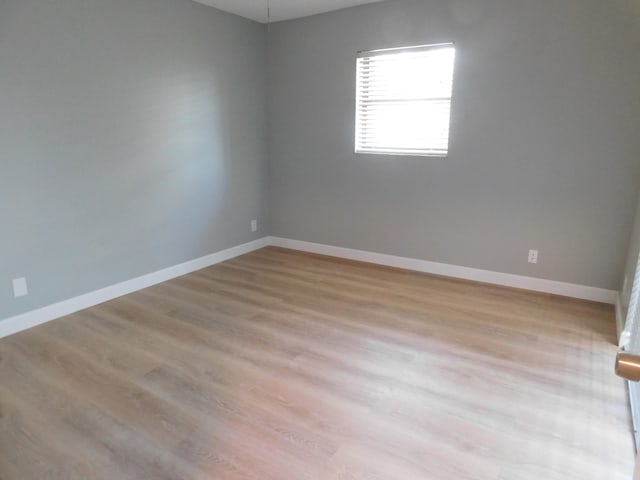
395	151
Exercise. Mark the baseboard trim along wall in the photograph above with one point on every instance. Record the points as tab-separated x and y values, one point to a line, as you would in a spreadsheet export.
33	318
455	271
42	315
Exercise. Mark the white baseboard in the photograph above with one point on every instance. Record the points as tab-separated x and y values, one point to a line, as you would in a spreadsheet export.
486	276
30	319
42	315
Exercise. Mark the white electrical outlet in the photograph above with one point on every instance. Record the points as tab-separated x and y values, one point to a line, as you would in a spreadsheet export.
20	287
254	225
533	256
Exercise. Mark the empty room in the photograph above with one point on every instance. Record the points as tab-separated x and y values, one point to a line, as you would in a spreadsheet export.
319	239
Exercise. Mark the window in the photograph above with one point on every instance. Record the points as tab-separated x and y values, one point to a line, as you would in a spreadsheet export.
403	100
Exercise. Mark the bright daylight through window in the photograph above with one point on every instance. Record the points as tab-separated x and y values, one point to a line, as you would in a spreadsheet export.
403	100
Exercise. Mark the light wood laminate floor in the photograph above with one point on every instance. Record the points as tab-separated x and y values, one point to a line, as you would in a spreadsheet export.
282	365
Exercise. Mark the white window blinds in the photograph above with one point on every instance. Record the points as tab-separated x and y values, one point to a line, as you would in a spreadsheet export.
403	100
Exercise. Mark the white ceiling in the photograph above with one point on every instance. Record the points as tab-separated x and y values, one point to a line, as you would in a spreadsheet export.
281	9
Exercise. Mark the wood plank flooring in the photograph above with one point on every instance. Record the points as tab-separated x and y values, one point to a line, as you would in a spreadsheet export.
282	365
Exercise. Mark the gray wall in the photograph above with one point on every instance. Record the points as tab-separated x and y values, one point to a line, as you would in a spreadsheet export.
634	241
545	142
132	138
